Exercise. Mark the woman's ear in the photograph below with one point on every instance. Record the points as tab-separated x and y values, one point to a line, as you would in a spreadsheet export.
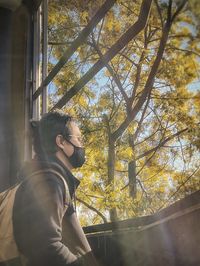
60	141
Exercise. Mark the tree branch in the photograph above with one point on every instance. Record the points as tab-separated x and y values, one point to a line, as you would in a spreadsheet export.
137	78
141	120
149	83
115	78
187	179
150	136
183	50
161	144
159	12
76	43
93	209
154	151
180	7
131	33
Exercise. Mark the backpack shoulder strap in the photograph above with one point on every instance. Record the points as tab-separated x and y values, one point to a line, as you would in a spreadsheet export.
52	171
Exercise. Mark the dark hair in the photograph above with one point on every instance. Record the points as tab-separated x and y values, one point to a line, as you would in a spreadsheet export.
46	130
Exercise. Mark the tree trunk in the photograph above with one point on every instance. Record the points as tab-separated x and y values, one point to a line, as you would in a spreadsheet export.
111	173
132	178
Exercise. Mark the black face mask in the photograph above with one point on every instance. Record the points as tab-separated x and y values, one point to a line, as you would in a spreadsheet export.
77	158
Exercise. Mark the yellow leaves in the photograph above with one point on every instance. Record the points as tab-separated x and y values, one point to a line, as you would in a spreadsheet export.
112	27
107	73
113	197
186	182
195	8
179	107
180	70
185	18
117	27
196	102
110	24
70	111
104	103
119	166
82	102
125	153
185	30
170	111
193	135
84	17
82	52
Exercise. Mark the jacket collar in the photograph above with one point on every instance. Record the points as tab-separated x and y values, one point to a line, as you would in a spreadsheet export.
65	171
50	162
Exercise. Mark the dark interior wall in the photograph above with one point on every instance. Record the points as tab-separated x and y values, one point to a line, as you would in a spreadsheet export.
16	50
5	98
14	34
20	34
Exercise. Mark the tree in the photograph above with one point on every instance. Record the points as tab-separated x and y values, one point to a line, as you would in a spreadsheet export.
138	115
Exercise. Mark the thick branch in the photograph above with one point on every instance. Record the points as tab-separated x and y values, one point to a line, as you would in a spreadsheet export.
137	79
111	71
124	40
141	120
159	12
180	7
149	82
128	59
75	44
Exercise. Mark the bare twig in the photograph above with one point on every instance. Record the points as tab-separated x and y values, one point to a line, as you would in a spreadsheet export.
115	78
180	7
187	179
92	209
161	144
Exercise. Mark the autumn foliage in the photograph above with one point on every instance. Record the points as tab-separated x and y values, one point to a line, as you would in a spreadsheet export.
140	111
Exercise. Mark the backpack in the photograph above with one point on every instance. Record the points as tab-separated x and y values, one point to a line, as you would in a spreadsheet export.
8	247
